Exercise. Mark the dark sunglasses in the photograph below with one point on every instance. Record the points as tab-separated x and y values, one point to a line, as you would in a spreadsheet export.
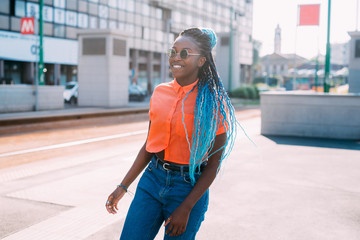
184	53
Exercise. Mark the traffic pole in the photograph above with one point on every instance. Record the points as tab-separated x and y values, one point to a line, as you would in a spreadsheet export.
41	51
328	50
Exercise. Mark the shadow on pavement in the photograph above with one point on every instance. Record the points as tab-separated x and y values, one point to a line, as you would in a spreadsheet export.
315	142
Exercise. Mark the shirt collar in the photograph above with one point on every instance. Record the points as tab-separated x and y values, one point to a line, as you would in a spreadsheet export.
186	88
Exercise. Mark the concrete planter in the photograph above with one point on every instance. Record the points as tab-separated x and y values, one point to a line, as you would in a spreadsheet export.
310	115
20	98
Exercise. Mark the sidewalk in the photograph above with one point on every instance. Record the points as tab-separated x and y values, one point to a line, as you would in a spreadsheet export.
287	188
25	121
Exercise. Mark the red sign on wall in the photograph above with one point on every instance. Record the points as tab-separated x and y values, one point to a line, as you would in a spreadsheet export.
27	25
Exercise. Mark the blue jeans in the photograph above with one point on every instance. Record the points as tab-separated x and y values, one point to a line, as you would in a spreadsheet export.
158	194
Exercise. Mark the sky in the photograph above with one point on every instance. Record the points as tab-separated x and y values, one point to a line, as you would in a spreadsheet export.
304	40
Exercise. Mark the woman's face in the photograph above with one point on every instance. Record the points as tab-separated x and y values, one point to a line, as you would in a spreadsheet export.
186	70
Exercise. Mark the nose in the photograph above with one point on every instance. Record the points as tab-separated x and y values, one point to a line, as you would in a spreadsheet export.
177	56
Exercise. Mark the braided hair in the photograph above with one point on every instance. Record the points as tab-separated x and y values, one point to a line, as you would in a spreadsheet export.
212	108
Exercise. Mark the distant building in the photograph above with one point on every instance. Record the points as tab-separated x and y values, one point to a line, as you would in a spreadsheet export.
340	53
274	65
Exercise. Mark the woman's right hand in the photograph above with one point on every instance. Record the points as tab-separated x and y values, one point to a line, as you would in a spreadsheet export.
113	199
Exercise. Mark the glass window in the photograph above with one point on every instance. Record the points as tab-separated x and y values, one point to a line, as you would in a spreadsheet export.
188	19
20	8
199	4
48	14
122	4
159	36
71	18
176	16
130	6
146	33
357	48
32	10
103	11
13	72
82	20
122	26
130	28
59	30
113	3
210	7
93	22
145	9
103	23
59	3
158	13
59	16
112	25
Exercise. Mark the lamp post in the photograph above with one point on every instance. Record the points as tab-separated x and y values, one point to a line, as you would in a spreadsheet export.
41	51
328	50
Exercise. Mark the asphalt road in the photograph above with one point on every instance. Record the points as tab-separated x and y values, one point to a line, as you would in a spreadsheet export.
54	184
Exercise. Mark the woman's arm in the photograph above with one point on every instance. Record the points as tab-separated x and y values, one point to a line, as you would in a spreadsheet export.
178	219
141	161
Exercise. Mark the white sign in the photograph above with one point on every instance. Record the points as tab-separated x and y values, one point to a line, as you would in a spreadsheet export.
48	14
32	10
59	3
83	20
71	18
59	16
25	48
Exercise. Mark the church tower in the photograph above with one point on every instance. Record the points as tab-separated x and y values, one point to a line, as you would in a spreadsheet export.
277	40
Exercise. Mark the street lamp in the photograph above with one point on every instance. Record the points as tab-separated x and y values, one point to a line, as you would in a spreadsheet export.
328	50
41	50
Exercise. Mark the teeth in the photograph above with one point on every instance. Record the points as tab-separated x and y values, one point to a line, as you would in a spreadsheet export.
177	66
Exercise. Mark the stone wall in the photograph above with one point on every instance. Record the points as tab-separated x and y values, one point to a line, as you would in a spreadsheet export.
310	115
19	98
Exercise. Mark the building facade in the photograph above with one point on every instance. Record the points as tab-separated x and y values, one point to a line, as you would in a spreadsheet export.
151	26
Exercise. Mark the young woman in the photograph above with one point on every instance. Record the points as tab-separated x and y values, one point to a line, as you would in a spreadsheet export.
192	129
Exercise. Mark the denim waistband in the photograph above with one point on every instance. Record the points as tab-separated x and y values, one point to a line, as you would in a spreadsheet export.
168	166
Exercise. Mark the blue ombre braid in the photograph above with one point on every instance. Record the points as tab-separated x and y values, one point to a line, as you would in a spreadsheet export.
212	108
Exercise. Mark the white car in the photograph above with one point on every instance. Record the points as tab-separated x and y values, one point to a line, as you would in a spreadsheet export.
71	92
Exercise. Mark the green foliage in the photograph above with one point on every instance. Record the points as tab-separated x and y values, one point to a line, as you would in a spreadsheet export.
246	92
259	80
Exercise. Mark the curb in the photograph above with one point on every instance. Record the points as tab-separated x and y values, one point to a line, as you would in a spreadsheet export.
61	116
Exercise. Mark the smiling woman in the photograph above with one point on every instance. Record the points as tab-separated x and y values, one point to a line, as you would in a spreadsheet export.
192	129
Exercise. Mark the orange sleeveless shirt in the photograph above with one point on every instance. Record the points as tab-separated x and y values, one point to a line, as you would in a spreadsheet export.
167	131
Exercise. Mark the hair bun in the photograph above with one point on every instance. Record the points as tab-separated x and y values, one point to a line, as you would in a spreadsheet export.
211	34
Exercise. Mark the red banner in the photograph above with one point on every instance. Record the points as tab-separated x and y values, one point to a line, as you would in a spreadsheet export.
27	25
309	15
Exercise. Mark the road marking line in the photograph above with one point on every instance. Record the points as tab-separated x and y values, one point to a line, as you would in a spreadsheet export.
62	145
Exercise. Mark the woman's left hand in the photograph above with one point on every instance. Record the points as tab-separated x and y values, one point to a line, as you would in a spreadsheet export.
177	221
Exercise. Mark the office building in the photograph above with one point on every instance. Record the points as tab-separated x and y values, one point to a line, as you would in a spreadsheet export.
151	26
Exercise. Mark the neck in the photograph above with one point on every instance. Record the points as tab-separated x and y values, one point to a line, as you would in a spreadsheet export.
187	80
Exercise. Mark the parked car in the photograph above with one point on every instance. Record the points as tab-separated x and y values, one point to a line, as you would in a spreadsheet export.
71	92
136	93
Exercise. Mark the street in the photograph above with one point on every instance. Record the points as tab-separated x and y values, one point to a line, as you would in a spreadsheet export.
54	184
